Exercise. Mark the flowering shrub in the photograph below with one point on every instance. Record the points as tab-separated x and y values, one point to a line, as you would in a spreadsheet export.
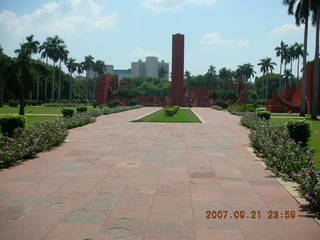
45	135
27	143
284	156
78	120
10	151
309	180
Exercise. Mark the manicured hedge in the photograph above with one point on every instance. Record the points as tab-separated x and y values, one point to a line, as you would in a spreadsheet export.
10	122
299	130
171	111
264	115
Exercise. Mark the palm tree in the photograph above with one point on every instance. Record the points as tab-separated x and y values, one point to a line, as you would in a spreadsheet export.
54	54
22	64
162	73
298	53
301	10
5	64
45	50
32	46
291	55
88	65
266	66
100	67
211	74
72	67
287	76
63	56
315	7
280	52
245	72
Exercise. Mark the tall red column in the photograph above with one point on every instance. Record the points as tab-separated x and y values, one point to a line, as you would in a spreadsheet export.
177	91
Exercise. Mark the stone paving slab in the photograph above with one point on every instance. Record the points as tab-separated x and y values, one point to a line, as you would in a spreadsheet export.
115	179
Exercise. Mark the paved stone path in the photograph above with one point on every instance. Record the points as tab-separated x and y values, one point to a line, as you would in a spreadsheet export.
120	180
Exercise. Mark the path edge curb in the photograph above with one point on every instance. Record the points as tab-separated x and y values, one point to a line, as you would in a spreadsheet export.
290	187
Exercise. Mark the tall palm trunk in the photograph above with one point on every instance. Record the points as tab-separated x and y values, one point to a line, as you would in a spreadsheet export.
46	86
52	82
1	91
38	88
266	97
59	82
315	91
304	77
70	88
298	68
21	95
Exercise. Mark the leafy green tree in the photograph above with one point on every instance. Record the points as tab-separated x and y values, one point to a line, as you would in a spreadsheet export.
5	64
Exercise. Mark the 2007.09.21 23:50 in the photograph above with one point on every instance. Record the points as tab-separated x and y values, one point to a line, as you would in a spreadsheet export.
255	214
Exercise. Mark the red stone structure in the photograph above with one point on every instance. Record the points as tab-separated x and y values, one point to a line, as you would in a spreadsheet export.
179	95
105	88
177	91
290	98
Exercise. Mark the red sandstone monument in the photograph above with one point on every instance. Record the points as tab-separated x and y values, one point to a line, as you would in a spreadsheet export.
289	99
177	90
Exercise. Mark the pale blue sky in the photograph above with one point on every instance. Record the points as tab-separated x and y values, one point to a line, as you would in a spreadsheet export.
217	32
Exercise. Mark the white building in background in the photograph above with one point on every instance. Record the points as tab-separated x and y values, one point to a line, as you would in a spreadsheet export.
138	69
150	68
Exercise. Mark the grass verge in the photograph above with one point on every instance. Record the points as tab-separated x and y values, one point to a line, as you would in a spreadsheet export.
182	116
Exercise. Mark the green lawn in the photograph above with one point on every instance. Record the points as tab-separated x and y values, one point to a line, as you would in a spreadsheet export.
182	116
31	110
314	141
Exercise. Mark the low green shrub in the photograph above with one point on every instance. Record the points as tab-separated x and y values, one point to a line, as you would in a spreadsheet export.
222	103
171	111
82	109
132	102
260	102
10	122
95	103
299	130
113	103
13	103
264	115
67	112
238	109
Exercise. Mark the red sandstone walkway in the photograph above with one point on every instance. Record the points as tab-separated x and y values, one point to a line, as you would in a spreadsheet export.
120	180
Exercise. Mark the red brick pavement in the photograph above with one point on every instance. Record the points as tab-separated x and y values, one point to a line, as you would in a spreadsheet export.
120	180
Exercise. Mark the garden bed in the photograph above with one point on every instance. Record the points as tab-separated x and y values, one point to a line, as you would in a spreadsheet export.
182	116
